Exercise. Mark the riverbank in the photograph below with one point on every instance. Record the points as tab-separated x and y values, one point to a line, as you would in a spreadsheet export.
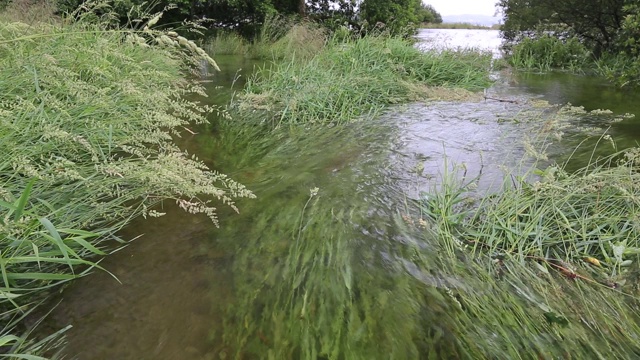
88	116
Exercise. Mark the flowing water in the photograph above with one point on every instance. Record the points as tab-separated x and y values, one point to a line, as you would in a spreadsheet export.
325	230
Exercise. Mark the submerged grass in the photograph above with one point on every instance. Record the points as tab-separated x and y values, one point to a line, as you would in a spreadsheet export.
338	265
87	117
356	79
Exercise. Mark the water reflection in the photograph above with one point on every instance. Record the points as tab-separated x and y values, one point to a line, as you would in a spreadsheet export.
487	40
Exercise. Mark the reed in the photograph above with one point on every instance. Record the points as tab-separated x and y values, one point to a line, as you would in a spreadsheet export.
280	39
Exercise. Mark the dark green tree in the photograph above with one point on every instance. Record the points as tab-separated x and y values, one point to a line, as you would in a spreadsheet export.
334	14
428	14
395	16
595	22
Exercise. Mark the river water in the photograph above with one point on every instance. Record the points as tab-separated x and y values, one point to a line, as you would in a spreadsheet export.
187	290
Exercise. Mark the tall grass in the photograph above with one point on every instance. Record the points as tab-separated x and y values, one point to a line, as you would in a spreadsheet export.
87	120
546	52
621	69
352	79
280	38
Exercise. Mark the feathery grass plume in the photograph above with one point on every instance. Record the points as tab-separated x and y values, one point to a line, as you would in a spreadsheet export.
87	118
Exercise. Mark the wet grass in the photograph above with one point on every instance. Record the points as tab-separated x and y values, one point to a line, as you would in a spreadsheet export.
558	256
354	80
87	119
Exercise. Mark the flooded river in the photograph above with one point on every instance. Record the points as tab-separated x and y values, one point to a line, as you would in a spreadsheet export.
330	204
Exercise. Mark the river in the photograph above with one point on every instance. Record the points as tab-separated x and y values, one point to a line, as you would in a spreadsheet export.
186	290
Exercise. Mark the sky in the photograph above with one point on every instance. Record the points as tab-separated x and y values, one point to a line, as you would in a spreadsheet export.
459	7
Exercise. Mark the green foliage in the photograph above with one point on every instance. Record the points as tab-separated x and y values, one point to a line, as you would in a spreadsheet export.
427	14
623	68
398	17
344	82
608	30
594	22
279	38
546	52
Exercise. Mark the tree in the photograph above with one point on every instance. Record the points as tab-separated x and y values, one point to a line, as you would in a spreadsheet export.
427	14
334	14
595	22
396	16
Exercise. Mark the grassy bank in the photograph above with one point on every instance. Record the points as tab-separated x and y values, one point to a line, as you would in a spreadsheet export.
88	117
279	38
354	79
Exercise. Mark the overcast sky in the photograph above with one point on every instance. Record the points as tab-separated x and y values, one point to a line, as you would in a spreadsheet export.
459	7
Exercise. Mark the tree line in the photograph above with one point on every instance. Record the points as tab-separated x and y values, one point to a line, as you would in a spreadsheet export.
246	16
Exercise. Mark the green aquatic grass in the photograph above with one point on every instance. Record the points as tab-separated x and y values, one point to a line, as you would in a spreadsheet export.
355	79
337	263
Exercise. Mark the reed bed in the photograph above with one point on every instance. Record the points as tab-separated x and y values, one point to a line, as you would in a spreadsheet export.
87	120
355	79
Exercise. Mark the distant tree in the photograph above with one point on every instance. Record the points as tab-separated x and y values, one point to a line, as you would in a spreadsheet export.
334	13
397	16
428	14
